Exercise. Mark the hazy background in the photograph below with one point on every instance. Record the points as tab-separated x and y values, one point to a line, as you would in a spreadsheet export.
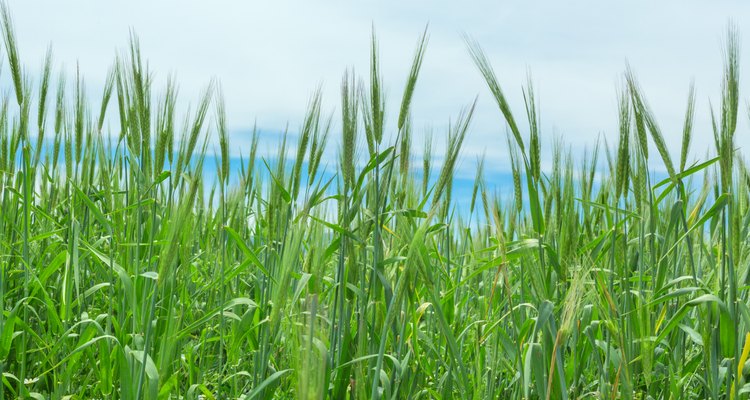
269	57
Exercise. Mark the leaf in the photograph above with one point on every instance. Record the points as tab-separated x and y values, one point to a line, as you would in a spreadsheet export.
284	193
94	209
743	359
673	294
6	336
533	371
677	317
151	275
127	283
337	229
246	250
229	304
687	172
268	381
151	372
719	204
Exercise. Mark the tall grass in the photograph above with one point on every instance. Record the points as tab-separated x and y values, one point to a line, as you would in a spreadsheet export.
123	276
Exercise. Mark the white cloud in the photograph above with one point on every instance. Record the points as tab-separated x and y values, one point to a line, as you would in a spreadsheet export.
270	57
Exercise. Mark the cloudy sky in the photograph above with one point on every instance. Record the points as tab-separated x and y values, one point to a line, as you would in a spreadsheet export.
269	57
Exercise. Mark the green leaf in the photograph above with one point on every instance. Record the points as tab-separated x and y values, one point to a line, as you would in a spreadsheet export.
200	321
267	382
246	250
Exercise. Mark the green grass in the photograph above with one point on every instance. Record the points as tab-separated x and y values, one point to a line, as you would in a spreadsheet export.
125	273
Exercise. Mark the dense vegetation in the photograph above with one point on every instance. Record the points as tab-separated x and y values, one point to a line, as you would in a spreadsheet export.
125	273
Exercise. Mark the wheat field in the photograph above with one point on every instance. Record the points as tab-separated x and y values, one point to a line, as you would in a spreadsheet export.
129	272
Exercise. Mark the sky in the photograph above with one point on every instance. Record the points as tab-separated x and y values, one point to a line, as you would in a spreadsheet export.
270	56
